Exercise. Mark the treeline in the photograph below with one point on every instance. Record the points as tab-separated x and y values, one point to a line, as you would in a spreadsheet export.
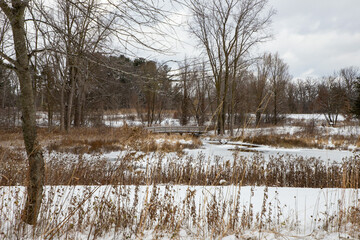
266	89
77	74
113	83
102	84
66	50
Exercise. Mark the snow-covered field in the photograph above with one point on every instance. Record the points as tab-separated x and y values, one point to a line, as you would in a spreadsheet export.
261	213
173	211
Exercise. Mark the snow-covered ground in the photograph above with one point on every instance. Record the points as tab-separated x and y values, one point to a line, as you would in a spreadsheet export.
291	130
273	213
315	116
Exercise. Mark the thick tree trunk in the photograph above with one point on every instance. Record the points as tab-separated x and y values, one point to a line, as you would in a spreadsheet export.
33	149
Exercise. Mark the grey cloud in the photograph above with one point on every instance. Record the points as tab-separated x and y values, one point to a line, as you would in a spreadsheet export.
316	37
327	14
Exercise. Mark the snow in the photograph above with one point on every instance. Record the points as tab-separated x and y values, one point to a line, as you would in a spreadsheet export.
292	130
294	212
119	120
226	151
122	122
315	116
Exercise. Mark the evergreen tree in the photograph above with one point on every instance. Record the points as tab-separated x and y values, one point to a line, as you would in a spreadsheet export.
355	109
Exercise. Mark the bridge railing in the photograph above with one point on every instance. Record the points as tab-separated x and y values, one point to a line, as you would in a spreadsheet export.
176	129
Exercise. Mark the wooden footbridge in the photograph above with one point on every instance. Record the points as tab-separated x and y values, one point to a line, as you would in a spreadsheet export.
178	129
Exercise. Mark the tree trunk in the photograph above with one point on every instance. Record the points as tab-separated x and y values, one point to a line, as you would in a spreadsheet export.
225	94
185	101
50	115
202	93
4	96
219	105
232	106
33	149
77	109
275	108
68	109
62	108
258	117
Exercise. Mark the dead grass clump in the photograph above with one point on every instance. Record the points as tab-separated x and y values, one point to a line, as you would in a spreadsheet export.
96	140
310	128
84	146
11	137
13	165
81	172
285	141
301	140
178	146
354	216
164	143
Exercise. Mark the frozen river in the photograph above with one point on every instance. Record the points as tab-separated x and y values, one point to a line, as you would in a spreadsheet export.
226	151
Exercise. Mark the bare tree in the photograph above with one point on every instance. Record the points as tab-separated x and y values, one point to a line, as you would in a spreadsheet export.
348	77
200	102
8	98
331	99
259	85
227	30
15	13
79	30
185	84
307	94
279	77
292	98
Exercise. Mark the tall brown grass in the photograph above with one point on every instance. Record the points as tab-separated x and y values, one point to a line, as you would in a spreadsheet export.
133	168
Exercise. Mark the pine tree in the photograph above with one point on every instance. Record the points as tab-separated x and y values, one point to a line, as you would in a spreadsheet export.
355	109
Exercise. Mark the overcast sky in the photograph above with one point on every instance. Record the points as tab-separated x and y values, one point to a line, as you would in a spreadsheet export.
314	37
